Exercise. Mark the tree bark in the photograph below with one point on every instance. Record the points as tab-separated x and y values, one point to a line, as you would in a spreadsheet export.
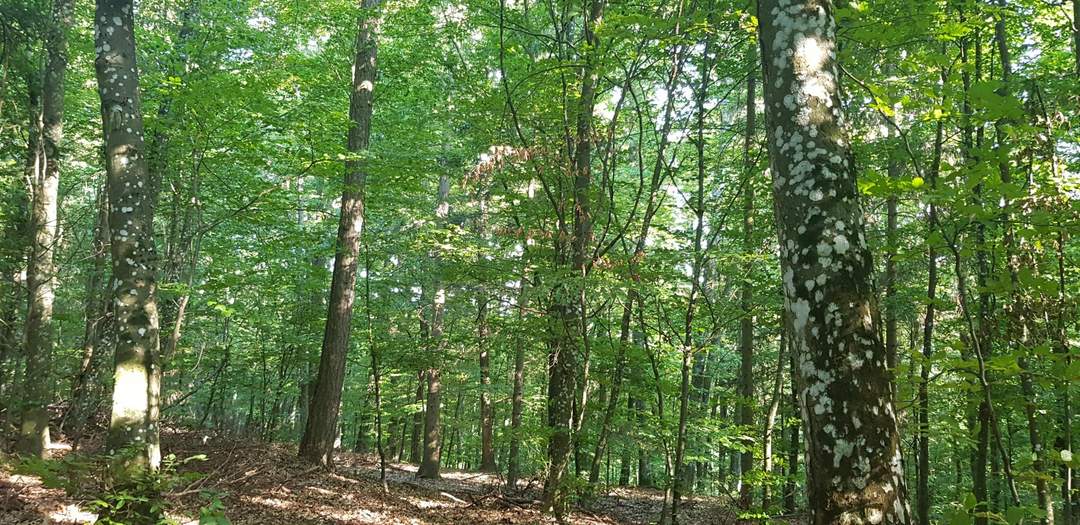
568	318
487	411
41	273
320	430
746	293
853	446
518	401
1019	314
431	461
134	422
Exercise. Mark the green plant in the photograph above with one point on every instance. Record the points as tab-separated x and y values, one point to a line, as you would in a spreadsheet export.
125	497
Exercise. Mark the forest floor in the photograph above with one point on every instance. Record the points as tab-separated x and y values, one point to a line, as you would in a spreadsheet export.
266	484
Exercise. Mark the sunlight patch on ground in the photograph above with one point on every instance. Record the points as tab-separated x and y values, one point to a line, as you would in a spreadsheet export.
72	514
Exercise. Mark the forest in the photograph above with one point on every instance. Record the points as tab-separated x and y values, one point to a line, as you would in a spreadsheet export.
539	261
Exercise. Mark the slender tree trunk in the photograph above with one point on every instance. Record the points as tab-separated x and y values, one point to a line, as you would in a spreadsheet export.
651	206
770	416
518	401
134	418
487	411
746	293
679	481
1064	400
41	273
415	447
431	460
320	430
1019	316
923	499
95	309
853	445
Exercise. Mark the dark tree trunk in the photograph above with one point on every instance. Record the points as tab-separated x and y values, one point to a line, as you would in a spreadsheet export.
487	411
415	447
855	473
746	294
320	430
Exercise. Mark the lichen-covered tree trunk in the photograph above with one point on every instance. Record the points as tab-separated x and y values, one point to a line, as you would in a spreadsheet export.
431	460
34	431
855	474
320	429
134	259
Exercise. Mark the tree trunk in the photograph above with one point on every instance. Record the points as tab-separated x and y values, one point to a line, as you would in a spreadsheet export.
320	430
487	411
923	435
415	448
770	416
855	471
568	318
134	416
746	293
431	460
95	320
518	401
41	273
1019	315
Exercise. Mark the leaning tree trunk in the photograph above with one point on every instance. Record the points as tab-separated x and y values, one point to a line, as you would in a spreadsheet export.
320	429
855	473
34	433
134	424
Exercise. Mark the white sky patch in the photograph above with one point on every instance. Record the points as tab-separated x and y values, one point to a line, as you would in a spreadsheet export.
260	21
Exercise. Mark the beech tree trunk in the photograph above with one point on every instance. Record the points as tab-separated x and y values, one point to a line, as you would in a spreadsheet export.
41	278
320	429
431	460
134	422
855	472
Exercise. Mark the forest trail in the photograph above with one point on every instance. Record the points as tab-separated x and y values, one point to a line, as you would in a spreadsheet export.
266	484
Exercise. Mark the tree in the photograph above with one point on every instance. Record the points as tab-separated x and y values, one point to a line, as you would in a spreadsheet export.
321	429
41	278
134	422
853	445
